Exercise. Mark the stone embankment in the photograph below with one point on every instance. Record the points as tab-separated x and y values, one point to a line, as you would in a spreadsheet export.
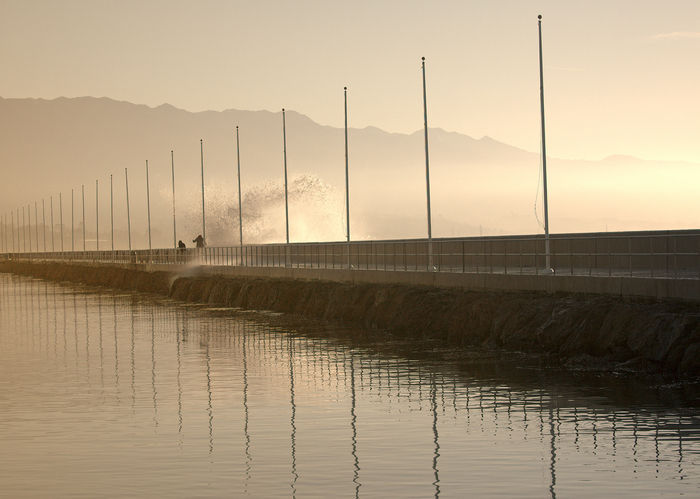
632	334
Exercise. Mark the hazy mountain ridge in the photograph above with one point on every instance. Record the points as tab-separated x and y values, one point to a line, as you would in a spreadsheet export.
47	146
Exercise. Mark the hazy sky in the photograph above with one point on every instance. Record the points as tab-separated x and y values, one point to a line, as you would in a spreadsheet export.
621	76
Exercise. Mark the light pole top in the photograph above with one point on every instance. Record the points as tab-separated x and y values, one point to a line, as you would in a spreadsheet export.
539	17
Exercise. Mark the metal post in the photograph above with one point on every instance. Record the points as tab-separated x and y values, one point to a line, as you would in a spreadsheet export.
172	171
24	229
427	170
53	245
83	190
240	200
286	197
148	207
97	216
60	216
36	226
13	232
29	226
204	225
544	152
43	217
128	210
111	208
72	222
347	177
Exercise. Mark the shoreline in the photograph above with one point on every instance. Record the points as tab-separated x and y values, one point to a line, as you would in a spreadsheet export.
587	332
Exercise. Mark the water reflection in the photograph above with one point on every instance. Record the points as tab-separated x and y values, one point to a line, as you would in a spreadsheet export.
304	394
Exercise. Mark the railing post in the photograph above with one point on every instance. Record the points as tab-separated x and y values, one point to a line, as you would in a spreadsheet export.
629	251
571	257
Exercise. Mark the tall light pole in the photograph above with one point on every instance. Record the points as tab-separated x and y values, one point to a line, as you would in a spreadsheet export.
97	215
128	210
148	206
347	176
427	170
286	195
43	218
111	208
204	224
36	226
72	221
24	238
53	227
29	225
544	152
240	202
82	186
12	215
60	216
172	170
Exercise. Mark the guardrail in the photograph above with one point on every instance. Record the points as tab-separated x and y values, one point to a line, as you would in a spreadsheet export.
658	254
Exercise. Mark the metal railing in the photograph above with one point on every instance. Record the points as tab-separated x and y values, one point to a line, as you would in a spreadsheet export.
657	254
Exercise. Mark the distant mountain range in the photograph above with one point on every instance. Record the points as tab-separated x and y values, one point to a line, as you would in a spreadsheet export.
478	185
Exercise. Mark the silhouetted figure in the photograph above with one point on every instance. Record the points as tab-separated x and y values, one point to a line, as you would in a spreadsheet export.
180	245
199	240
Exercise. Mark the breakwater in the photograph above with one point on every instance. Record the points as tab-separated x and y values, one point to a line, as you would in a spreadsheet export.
582	330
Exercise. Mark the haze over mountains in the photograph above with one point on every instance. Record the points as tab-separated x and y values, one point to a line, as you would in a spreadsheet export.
478	185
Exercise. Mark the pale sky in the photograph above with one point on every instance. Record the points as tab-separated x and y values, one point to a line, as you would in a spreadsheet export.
621	76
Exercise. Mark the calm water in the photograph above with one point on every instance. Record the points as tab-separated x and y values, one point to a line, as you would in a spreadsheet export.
106	394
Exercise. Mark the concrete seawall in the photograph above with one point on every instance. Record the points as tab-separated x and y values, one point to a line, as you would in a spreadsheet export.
618	332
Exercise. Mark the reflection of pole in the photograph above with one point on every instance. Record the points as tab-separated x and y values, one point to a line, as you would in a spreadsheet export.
436	453
148	207
427	170
204	225
286	197
347	181
552	455
111	209
295	475
240	201
248	458
172	171
97	215
128	210
210	408
353	423
82	186
544	152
